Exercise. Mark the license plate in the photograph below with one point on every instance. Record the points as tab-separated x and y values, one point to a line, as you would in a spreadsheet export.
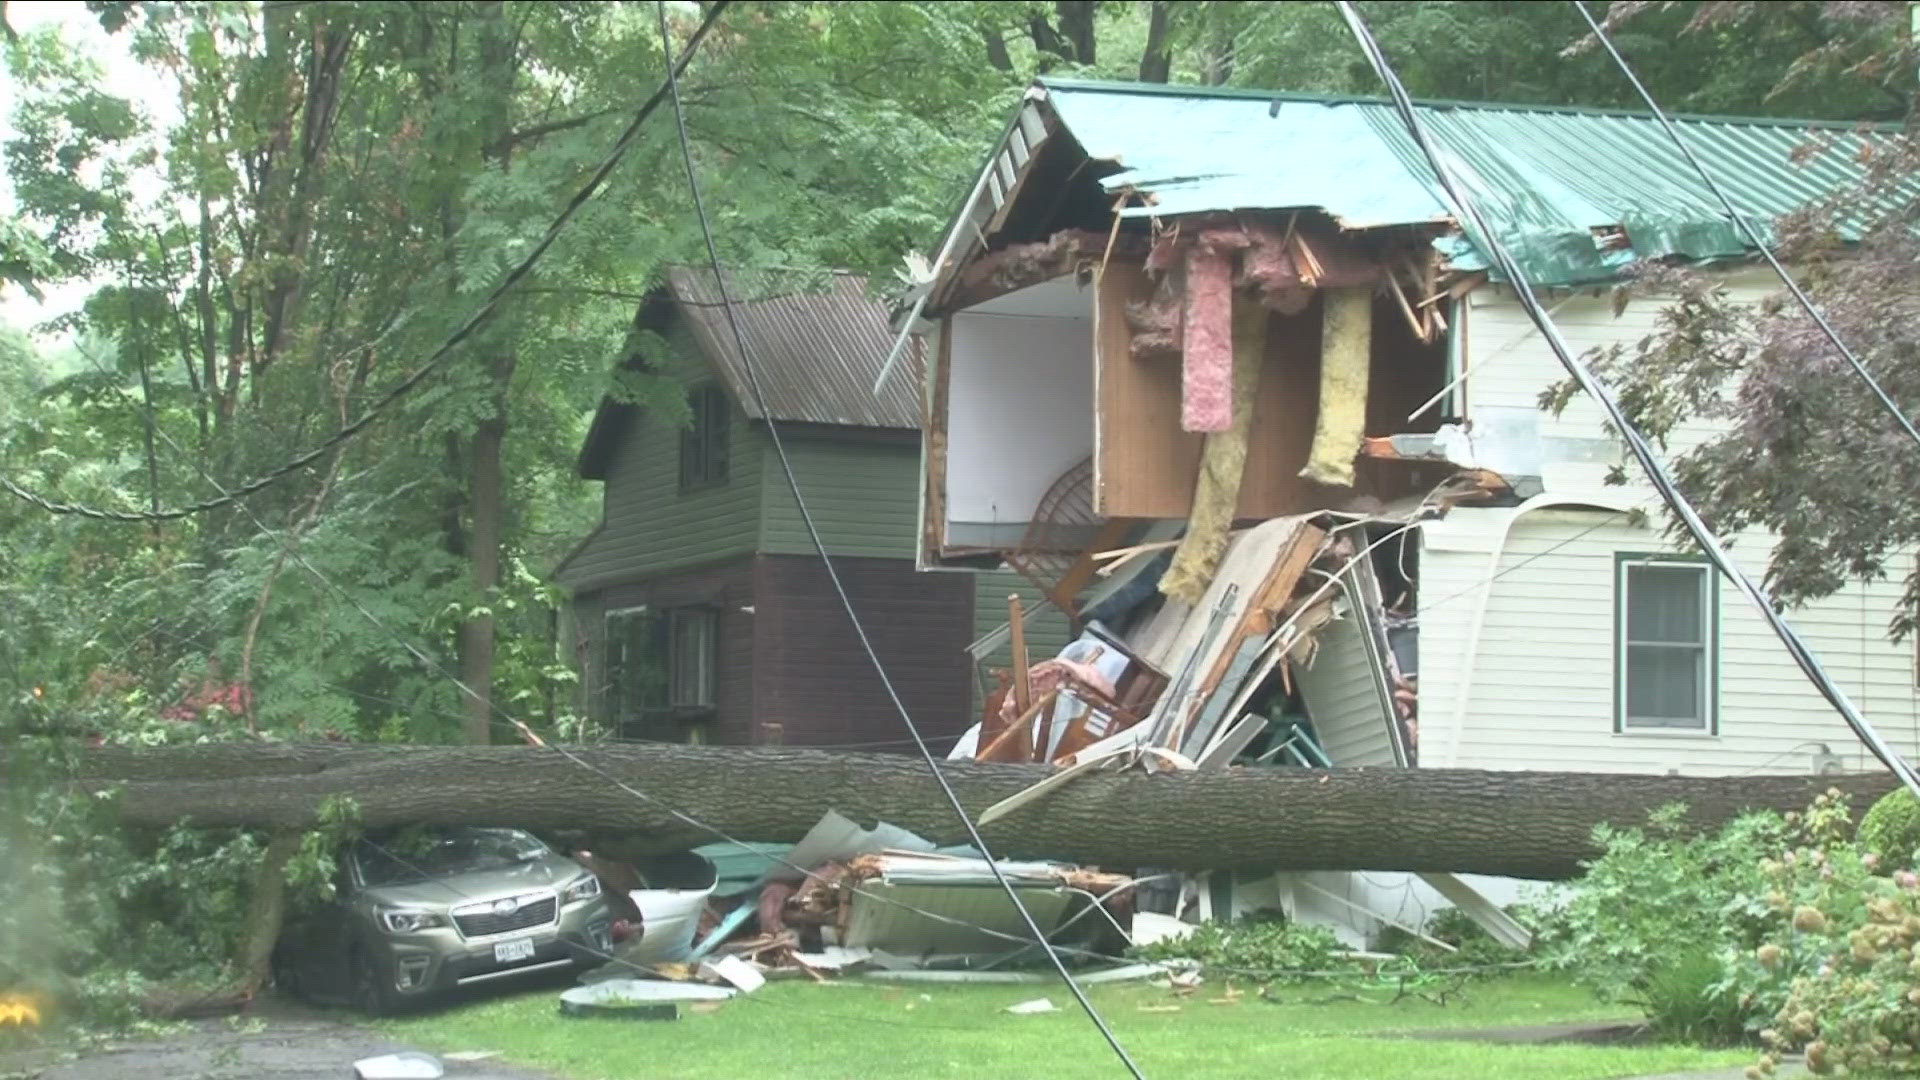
506	952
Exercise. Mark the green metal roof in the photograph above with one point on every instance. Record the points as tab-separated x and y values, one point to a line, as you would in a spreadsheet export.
1549	176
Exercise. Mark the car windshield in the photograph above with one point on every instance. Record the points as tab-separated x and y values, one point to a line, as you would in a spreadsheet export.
420	855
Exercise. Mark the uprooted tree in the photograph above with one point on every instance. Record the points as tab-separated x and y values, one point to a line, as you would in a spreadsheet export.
663	798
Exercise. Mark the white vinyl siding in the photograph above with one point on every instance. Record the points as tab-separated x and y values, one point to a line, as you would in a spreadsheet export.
1540	692
1343	697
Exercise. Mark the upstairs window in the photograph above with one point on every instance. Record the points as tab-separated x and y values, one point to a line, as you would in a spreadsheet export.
703	444
1666	648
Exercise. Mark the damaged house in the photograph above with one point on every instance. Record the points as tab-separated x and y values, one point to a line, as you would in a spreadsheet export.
1219	374
700	610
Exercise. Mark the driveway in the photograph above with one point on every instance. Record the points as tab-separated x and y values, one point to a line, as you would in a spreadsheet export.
277	1040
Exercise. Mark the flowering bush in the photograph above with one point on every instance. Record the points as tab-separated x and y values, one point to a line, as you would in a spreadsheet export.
1836	970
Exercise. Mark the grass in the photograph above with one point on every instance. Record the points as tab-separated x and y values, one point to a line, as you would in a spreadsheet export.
852	1029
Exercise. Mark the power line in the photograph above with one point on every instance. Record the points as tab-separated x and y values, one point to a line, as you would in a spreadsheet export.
833	575
438	357
1746	226
1657	473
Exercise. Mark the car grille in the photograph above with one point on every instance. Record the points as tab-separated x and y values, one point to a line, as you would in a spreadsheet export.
483	923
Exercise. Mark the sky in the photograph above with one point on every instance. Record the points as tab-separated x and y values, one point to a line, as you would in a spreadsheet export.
121	76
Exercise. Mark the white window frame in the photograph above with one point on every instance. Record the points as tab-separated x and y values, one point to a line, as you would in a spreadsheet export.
1709	598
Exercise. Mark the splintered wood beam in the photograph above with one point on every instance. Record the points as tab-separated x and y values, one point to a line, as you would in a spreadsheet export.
1066	591
1022	677
1015	743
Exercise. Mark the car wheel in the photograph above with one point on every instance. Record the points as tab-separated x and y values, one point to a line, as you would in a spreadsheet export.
373	991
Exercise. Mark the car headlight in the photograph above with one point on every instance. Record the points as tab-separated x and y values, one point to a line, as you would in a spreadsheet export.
406	920
582	888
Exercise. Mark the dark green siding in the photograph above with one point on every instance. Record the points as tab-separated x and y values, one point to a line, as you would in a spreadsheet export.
649	527
861	495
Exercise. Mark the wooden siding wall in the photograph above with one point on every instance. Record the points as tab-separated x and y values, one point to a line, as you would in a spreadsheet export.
649	527
728	587
861	495
813	678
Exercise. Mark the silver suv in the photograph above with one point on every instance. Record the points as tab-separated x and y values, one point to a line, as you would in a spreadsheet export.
418	913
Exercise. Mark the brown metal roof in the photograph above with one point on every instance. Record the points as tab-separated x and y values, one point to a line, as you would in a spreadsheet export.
816	351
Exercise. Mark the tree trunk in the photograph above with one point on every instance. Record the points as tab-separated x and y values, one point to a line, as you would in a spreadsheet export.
266	910
1156	61
1521	824
486	514
1077	26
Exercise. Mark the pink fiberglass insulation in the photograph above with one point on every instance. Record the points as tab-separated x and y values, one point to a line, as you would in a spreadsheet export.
1206	357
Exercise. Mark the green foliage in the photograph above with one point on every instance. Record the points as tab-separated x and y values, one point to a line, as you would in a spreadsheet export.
1254	945
1639	920
1891	828
313	870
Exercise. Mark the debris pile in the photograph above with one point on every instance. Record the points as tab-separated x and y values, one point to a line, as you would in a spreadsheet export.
844	899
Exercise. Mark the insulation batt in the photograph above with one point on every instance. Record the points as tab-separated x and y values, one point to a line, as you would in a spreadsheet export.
1206	358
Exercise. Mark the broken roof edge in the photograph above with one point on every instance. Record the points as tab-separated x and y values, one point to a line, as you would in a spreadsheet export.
1311	98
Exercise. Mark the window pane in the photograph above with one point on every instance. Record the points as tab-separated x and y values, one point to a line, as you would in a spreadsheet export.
1664	603
693	658
1666	687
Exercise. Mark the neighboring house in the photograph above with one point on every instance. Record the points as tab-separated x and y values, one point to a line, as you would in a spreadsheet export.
1556	626
700	608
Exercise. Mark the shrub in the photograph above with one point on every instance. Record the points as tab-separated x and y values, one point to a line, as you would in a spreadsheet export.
1657	887
1891	828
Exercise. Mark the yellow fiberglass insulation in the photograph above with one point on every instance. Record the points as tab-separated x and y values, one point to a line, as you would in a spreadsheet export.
1223	459
1346	345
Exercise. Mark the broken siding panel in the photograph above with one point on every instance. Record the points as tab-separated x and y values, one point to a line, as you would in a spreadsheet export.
1343	697
861	495
1542	687
650	527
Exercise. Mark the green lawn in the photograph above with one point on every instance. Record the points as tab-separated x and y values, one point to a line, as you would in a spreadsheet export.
857	1030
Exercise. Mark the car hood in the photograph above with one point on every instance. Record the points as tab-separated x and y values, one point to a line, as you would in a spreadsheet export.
455	889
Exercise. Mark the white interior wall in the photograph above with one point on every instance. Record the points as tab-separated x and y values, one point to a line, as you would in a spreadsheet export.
1020	400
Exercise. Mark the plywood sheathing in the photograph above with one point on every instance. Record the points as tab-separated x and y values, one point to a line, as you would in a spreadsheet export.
1346	355
1223	463
1145	465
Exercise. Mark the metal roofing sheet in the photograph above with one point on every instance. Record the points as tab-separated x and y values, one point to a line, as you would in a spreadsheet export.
815	350
1548	176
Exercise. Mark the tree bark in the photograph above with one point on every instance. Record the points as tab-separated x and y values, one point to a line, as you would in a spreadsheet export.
1520	824
486	510
1156	61
1077	26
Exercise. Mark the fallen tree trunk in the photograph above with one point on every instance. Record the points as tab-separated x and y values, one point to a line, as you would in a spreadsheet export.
1521	824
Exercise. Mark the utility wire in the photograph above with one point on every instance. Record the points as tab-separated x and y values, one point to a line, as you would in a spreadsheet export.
833	575
434	361
1657	473
1753	234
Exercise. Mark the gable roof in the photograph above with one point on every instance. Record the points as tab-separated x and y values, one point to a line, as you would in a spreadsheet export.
1551	177
815	352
